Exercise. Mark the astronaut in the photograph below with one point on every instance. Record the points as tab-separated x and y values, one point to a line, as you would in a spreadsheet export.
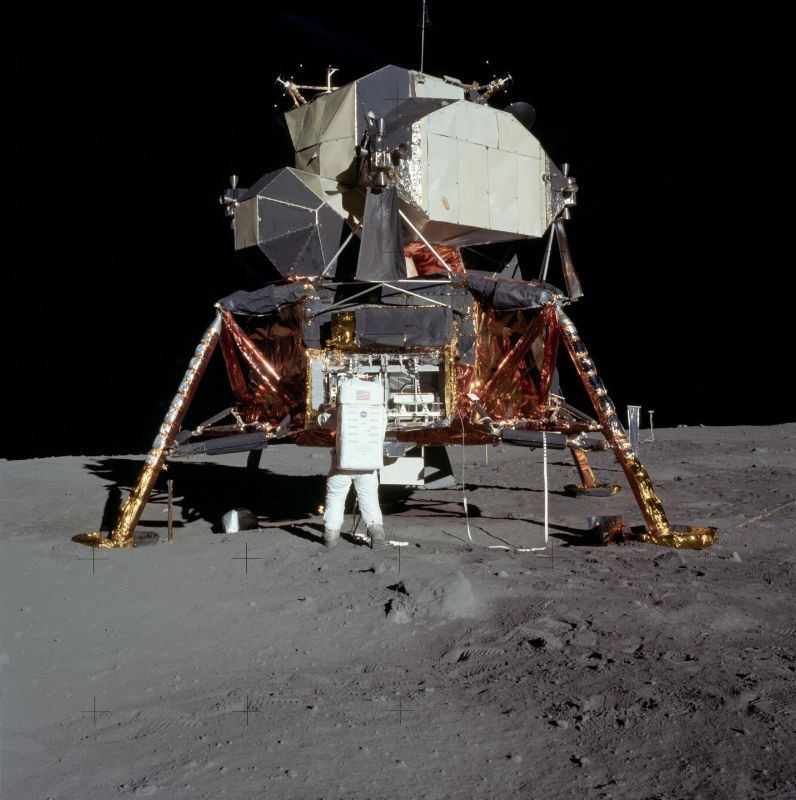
356	458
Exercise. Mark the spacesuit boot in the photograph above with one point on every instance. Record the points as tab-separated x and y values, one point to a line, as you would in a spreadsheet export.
331	538
378	540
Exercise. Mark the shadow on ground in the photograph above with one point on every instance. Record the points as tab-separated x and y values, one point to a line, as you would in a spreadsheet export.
207	491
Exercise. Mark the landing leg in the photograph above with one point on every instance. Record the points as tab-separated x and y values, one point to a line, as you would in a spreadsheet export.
659	531
253	462
122	533
588	483
250	475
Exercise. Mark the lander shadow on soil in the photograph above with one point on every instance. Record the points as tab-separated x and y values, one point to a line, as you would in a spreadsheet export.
204	490
471	487
207	491
572	537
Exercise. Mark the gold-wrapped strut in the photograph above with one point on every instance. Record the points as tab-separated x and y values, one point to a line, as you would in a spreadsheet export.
122	533
683	537
613	530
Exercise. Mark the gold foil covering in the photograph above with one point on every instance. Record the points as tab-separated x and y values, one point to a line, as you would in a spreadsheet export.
684	538
588	481
427	264
450	378
237	381
507	388
460	431
343	330
315	437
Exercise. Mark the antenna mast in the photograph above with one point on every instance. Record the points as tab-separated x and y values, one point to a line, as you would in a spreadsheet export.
423	21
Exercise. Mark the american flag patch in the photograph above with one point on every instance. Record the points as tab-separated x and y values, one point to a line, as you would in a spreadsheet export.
362	395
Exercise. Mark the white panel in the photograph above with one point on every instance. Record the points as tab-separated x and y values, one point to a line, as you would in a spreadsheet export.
245	223
530	196
502	190
312	182
428	86
361	422
295	122
465	120
447	233
328	116
338	120
403	471
514	137
443	122
337	160
355	390
473	185
532	147
443	179
307	160
360	436
313	119
316	382
479	124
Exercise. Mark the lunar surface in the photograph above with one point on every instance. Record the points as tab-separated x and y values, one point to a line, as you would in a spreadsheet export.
464	664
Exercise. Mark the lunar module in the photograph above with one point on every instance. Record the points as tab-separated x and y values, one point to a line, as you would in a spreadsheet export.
364	249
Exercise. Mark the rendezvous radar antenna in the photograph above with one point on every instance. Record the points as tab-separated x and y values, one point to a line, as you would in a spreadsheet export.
293	89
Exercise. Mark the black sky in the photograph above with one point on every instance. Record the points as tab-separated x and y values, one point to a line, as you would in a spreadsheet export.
674	128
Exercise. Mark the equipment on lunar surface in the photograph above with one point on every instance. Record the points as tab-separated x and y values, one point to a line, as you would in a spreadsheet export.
413	170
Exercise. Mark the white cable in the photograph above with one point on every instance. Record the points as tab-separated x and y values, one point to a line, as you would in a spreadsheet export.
464	495
651	437
544	462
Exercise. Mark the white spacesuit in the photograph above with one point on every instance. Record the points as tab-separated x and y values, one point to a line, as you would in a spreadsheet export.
360	422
